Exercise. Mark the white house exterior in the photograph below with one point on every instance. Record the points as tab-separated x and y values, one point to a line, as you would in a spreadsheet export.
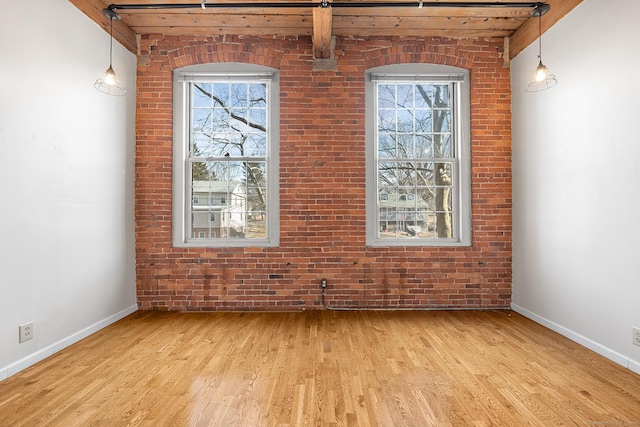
218	209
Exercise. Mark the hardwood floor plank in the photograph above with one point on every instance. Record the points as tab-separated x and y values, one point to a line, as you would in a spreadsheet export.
323	368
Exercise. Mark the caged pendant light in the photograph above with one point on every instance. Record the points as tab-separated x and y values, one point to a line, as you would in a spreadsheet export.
542	79
109	82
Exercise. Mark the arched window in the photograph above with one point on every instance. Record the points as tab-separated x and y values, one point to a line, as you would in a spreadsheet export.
226	138
418	156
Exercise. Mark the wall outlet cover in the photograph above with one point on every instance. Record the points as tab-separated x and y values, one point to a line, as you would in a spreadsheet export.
636	336
25	332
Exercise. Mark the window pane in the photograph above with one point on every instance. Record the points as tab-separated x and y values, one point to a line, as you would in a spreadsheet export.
442	96
202	95
200	144
423	95
239	120
443	174
422	221
386	96
406	174
443	146
424	146
404	96
255	174
200	171
387	121
202	120
257	225
388	174
386	145
405	146
257	199
258	119
404	120
442	119
239	95
256	145
220	119
423	121
258	95
220	94
424	174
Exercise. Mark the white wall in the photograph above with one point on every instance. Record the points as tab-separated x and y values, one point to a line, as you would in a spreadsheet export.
576	192
66	181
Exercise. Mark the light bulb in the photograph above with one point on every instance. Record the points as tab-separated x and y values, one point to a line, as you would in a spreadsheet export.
110	77
541	73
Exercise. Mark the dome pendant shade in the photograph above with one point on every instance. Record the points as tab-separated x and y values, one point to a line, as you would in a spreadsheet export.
109	82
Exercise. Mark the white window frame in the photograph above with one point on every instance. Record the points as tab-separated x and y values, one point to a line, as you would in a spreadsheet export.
461	191
181	136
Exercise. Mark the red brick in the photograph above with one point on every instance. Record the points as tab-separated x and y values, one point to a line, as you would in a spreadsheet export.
322	157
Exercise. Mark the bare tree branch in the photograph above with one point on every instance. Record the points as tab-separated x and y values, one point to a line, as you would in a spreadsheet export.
228	110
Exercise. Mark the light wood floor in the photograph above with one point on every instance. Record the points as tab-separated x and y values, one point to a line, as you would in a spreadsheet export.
322	368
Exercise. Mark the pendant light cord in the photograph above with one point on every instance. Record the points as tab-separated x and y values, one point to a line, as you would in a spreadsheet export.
540	37
111	41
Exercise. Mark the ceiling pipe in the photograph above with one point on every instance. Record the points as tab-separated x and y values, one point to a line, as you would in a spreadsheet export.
323	3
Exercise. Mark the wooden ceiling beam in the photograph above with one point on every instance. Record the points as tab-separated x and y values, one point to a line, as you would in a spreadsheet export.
528	32
121	32
346	32
322	25
323	22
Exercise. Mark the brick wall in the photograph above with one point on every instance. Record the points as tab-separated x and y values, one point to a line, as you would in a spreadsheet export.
322	180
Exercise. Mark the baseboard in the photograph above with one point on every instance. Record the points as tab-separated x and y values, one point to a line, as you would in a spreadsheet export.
580	339
32	359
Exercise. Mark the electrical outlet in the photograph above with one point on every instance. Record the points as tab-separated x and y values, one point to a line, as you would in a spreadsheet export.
636	336
25	331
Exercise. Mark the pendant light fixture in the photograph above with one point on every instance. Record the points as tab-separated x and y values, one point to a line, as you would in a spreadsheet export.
109	82
542	79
